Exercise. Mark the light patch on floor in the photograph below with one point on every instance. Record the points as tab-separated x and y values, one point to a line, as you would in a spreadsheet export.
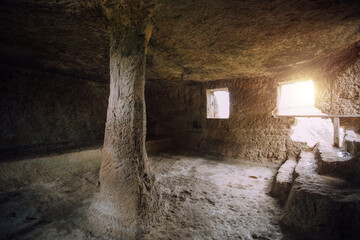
215	200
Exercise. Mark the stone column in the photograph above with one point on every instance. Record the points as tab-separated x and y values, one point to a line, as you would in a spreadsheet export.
127	194
336	122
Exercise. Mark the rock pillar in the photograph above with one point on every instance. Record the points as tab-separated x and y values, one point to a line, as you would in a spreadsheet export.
127	194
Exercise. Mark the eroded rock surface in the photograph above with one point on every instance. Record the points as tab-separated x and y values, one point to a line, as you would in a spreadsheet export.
330	162
284	180
63	37
128	194
192	40
209	40
321	207
203	199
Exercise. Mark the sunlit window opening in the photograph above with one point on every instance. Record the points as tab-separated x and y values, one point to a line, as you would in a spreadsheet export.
297	98
218	103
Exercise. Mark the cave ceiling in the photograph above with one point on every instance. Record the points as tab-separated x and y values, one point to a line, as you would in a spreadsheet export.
197	40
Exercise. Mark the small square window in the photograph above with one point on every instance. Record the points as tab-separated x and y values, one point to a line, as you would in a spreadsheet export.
218	103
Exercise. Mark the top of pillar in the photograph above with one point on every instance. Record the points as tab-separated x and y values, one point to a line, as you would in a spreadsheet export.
129	13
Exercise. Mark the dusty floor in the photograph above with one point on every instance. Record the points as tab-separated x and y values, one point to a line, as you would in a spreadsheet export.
202	198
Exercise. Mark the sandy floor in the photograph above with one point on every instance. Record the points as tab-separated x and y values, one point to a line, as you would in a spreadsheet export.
203	199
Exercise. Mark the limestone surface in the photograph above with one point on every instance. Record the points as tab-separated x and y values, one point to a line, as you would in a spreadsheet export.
192	40
330	163
283	181
321	207
202	199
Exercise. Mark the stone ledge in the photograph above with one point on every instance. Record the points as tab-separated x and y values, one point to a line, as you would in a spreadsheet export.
283	181
306	165
329	163
352	145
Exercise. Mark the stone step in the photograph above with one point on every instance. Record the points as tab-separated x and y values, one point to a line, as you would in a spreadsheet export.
333	162
352	144
283	180
306	165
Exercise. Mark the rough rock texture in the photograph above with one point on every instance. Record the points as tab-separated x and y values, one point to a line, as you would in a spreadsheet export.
329	163
208	40
352	144
283	180
336	82
67	37
54	74
192	40
159	145
345	89
212	199
321	207
253	45
173	108
204	198
41	108
127	195
179	110
306	166
251	132
40	166
16	174
38	211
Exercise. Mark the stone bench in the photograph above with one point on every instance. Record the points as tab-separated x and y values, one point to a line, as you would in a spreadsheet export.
283	180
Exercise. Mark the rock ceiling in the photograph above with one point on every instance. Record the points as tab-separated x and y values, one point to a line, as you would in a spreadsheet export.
192	39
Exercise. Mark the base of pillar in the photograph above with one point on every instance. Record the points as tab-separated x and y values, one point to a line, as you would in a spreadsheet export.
104	219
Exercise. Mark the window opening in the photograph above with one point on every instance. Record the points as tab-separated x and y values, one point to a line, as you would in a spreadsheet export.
218	103
299	99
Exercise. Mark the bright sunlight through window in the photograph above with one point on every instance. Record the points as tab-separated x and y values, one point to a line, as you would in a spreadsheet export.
218	103
297	98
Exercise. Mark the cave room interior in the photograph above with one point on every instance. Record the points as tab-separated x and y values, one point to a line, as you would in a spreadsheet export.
180	119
